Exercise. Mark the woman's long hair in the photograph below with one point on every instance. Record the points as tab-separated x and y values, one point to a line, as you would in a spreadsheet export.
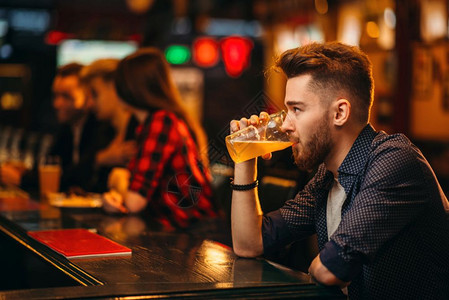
143	81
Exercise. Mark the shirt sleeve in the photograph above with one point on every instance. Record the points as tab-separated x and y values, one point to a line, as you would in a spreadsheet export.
296	219
274	232
392	194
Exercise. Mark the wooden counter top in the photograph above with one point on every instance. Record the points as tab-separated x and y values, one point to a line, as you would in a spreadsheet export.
197	262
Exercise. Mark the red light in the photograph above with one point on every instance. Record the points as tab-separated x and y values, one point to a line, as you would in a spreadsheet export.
136	38
236	54
56	37
205	52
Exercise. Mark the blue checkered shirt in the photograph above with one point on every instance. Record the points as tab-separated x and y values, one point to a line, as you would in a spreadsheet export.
393	239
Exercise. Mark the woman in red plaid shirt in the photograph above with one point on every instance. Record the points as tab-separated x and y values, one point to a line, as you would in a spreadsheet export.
168	178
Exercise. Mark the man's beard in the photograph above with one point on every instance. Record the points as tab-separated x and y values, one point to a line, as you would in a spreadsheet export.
316	150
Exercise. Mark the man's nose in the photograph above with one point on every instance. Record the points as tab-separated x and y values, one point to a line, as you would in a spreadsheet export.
287	125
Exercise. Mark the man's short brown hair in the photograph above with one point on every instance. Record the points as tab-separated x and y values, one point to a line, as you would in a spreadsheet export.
71	69
337	70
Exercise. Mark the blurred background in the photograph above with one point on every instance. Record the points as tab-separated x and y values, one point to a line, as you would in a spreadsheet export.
221	51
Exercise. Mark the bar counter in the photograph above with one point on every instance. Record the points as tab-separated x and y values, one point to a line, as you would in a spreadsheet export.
193	263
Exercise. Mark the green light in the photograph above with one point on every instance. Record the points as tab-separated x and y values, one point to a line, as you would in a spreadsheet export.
177	54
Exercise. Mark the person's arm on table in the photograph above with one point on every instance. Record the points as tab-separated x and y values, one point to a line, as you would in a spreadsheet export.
119	198
117	153
132	202
321	274
113	202
246	213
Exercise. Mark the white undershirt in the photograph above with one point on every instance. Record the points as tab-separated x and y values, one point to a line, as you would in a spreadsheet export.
335	200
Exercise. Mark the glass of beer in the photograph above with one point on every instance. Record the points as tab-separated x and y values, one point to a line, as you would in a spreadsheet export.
49	175
253	141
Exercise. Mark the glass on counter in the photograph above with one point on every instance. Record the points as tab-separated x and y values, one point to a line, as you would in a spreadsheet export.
49	175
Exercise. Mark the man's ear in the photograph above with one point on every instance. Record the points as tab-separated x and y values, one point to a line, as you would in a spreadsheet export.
342	112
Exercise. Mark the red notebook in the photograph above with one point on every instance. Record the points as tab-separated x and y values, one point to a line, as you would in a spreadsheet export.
76	243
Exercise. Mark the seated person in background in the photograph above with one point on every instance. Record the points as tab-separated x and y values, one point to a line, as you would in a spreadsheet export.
98	78
75	142
168	178
81	135
374	202
79	138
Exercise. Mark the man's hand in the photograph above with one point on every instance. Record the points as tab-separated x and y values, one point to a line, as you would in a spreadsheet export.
322	275
254	120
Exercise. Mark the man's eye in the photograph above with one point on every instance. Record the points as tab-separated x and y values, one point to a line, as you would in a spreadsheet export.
297	109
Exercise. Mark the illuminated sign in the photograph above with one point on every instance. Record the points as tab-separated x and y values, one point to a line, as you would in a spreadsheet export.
236	54
177	54
205	52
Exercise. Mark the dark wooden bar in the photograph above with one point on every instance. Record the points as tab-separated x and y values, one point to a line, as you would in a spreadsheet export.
193	263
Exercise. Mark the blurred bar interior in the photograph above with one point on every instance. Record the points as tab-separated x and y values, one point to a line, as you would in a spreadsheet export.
220	50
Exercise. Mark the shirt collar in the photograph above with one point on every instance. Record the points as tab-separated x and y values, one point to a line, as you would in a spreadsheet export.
355	161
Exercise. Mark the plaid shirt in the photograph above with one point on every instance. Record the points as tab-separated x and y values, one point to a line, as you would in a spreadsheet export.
167	171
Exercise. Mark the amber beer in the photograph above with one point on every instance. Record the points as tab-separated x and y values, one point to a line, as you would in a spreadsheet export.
49	178
16	164
255	140
244	150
